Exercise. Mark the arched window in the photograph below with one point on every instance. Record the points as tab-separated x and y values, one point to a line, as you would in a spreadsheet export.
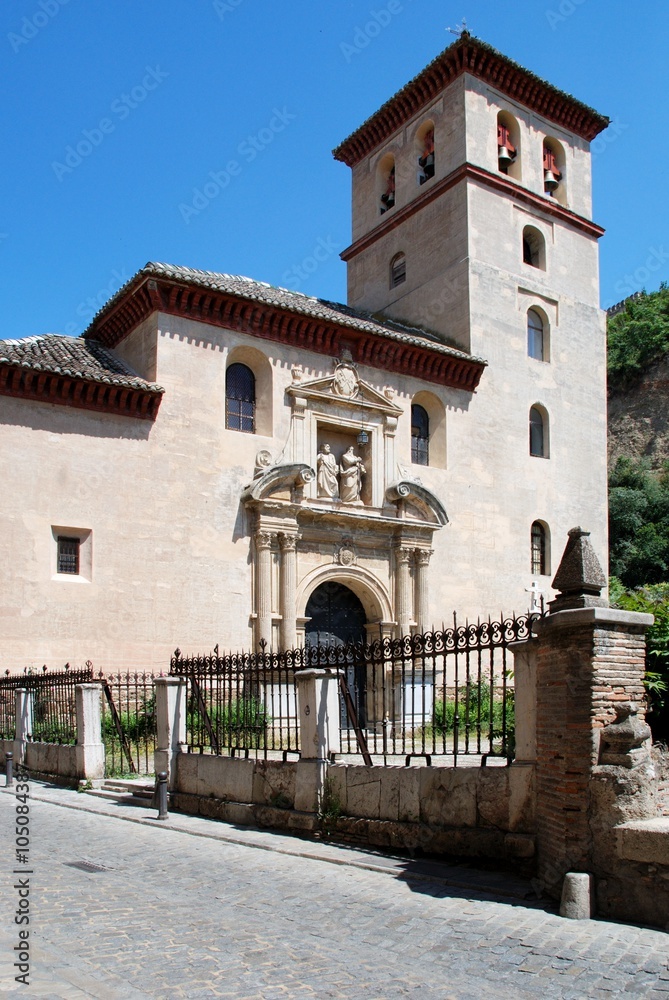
386	182
536	348
425	151
420	435
508	142
398	270
538	433
240	399
534	248
539	546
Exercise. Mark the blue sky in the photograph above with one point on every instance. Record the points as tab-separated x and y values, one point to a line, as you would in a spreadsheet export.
161	96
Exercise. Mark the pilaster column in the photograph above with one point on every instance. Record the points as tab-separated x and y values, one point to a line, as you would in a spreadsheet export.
171	700
288	543
90	750
24	723
421	602
264	587
403	589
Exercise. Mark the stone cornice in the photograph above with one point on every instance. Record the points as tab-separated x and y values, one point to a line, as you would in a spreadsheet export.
63	390
469	55
408	355
468	171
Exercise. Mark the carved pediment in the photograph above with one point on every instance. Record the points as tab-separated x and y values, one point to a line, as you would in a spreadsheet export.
286	480
345	387
417	501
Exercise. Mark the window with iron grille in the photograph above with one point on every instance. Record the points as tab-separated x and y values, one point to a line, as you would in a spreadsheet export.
68	554
420	435
538	544
240	399
398	270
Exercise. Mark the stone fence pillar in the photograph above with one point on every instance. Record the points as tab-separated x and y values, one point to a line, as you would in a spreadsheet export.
590	662
318	707
170	725
90	750
24	723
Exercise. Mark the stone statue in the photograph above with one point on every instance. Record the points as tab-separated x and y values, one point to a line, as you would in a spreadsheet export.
326	474
352	471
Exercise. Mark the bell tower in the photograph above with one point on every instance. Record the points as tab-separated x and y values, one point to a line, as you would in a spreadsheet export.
472	178
471	212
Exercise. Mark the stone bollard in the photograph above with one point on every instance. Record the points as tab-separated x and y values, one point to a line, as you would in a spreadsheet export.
577	896
9	772
162	795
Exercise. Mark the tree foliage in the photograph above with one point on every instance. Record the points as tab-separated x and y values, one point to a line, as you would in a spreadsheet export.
654	600
638	336
638	523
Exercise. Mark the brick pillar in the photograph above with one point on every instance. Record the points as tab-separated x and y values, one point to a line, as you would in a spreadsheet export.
588	660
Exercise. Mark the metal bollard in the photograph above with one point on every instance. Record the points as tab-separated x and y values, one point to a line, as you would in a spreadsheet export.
9	769
162	795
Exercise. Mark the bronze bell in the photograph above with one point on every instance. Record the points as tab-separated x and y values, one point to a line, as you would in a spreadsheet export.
550	181
505	156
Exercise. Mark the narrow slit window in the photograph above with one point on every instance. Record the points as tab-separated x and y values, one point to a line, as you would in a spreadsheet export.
398	270
537	433
535	335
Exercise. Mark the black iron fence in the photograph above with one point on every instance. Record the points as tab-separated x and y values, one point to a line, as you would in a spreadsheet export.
128	723
241	702
443	693
53	703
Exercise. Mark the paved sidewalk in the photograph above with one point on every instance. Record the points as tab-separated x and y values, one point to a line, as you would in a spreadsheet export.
195	908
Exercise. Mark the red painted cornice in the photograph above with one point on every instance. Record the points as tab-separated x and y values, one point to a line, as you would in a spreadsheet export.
213	307
63	390
470	172
470	55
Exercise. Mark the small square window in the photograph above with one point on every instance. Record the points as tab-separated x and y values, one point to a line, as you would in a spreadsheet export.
68	554
71	554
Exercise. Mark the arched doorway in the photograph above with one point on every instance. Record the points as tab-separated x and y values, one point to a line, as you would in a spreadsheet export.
336	616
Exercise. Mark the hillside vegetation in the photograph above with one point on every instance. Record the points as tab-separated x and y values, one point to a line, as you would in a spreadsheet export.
638	336
638	362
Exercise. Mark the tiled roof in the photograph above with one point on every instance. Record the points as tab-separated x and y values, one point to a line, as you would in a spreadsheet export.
282	298
470	54
73	357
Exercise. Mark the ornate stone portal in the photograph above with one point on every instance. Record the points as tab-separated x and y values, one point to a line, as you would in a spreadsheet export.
337	512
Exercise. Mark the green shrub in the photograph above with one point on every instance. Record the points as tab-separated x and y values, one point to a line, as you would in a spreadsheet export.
475	709
241	723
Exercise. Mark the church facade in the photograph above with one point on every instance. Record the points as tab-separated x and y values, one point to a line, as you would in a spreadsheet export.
220	461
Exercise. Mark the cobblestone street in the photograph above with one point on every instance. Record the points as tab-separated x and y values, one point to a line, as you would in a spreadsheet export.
173	913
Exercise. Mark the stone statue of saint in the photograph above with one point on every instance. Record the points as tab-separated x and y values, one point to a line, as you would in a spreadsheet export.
326	474
350	480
